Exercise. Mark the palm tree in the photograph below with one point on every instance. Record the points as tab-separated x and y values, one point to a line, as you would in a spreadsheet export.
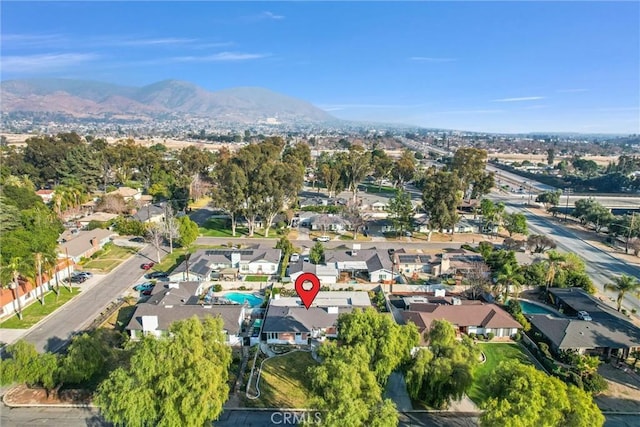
510	277
554	260
11	275
622	285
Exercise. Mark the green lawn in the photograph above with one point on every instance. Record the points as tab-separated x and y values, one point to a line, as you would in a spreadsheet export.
220	227
495	353
36	311
109	259
256	278
374	188
284	382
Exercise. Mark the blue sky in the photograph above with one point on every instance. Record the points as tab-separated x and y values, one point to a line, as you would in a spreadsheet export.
496	67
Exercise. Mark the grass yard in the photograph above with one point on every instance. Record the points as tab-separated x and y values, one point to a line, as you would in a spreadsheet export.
284	382
256	278
200	203
121	318
375	189
35	312
495	353
110	257
220	227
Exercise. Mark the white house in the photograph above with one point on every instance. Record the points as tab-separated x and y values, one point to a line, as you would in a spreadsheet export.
209	264
170	302
288	321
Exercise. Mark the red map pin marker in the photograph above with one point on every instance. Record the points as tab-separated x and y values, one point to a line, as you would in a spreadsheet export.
307	295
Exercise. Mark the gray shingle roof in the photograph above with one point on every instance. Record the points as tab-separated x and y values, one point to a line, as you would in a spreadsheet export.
230	315
299	319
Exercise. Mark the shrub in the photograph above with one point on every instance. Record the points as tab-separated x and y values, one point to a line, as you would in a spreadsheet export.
544	348
467	247
490	336
217	287
517	337
472	336
634	311
243	288
595	383
575	379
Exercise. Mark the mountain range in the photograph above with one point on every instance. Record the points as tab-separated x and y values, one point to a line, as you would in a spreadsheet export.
91	99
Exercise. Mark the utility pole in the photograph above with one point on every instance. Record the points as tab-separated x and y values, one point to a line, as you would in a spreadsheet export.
626	248
567	191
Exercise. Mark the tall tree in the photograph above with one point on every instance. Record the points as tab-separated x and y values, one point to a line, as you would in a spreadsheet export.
404	168
387	343
510	280
155	235
401	211
316	255
381	165
229	194
516	223
357	165
523	396
539	243
347	390
187	230
623	284
443	370
469	164
177	380
441	196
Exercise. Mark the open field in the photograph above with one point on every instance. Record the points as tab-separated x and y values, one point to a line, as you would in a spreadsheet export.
284	382
109	259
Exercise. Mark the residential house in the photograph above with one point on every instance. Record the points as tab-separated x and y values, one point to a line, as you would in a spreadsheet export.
98	217
476	318
127	193
213	264
326	273
608	334
46	195
151	213
287	320
171	302
413	263
375	265
329	222
83	244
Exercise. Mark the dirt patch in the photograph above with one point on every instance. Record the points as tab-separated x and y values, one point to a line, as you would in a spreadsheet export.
23	395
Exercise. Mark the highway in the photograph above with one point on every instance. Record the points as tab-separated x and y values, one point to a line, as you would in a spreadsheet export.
600	265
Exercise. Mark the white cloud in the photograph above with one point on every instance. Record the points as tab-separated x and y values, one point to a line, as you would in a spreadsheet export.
431	59
523	98
221	57
271	15
44	62
154	42
31	40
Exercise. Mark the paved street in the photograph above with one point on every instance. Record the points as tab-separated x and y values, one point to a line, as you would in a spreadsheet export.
77	314
601	266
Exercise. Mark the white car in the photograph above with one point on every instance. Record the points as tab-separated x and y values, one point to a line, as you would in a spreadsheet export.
294	257
323	238
584	315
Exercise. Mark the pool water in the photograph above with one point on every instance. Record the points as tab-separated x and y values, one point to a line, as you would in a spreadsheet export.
529	308
240	298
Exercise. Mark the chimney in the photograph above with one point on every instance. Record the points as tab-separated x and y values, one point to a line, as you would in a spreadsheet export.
456	301
235	259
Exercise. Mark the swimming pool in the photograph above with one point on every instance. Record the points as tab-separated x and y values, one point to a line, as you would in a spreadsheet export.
530	308
240	298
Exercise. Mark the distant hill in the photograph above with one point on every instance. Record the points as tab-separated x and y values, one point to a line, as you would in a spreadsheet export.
81	98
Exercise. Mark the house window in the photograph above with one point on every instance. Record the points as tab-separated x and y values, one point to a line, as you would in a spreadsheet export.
383	277
298	336
272	335
244	267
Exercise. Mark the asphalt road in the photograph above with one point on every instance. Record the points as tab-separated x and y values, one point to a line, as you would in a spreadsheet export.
601	266
78	313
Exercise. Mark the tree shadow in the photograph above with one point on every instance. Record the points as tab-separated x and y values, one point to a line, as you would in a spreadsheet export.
56	344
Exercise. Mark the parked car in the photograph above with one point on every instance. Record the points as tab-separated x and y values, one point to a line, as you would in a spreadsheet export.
584	315
294	257
157	275
143	287
323	238
137	240
147	265
76	278
86	274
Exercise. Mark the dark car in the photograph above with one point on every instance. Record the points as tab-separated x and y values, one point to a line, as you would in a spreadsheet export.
78	279
147	265
86	274
157	275
137	240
